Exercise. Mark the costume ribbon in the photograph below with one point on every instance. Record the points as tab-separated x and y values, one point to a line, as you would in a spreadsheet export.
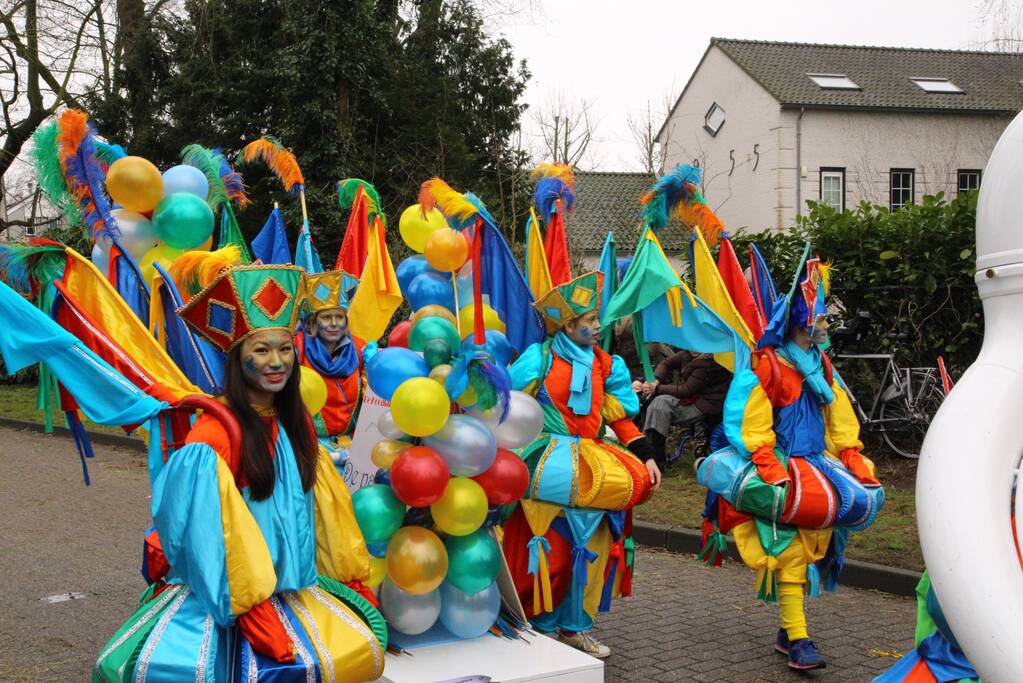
767	579
581	388
714	548
616	565
539	547
811	368
813	581
581	557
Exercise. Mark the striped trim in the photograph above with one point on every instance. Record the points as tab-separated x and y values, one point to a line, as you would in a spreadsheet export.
154	639
166	597
307	660
204	649
356	624
325	659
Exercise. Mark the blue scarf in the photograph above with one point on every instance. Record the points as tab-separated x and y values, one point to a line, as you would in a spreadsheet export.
342	364
580	399
811	368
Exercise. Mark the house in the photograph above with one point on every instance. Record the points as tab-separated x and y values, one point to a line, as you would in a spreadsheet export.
774	125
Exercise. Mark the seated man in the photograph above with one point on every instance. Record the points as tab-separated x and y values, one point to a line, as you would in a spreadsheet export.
699	393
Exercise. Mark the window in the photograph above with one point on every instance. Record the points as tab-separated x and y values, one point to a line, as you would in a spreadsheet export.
902	187
714	119
833	81
937	85
969	179
30	231
833	188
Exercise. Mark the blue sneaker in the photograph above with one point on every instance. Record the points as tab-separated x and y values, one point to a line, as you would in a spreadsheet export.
803	655
781	643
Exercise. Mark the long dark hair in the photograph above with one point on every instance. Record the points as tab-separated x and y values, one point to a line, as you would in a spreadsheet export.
256	463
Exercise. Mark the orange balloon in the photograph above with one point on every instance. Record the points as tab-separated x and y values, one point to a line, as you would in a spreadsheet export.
135	184
446	250
436	310
417	560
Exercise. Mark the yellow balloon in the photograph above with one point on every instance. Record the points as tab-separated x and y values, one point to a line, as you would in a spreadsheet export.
414	228
313	390
440	373
377	571
417	560
385	452
467	319
420	406
446	250
468	397
161	254
434	310
135	184
462	509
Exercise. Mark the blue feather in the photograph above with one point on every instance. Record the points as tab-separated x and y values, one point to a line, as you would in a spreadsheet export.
14	270
108	153
83	169
548	191
669	190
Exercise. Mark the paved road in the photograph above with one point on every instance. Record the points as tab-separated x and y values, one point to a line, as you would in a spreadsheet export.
686	623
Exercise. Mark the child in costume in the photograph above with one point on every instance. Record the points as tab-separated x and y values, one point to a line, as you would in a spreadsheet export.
325	344
256	565
794	482
568	542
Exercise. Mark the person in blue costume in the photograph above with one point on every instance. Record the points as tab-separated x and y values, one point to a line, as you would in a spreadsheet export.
258	558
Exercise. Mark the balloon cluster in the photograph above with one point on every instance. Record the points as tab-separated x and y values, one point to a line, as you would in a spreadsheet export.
159	216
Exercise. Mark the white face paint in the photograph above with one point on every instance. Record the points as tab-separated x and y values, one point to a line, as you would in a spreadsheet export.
585	329
331	325
268	359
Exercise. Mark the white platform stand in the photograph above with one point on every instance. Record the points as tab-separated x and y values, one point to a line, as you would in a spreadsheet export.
507	661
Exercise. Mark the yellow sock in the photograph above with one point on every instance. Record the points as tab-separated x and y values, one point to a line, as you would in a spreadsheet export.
790	608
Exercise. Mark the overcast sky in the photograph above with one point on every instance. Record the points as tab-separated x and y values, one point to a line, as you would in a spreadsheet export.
619	55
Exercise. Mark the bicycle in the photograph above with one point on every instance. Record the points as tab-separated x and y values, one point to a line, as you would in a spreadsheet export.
905	400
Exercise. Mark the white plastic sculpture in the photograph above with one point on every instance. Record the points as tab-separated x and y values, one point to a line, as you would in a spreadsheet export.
974	446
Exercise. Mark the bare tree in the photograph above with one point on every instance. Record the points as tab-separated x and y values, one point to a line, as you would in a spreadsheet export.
567	132
1001	25
643	128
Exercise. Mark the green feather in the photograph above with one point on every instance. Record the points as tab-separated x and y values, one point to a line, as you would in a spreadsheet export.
50	174
349	187
206	161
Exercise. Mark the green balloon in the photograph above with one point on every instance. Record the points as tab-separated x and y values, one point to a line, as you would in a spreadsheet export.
378	512
182	220
436	352
432	327
474	561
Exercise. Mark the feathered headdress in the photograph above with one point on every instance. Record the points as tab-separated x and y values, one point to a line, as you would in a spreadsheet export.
193	271
553	182
458	208
83	172
347	190
678	192
280	160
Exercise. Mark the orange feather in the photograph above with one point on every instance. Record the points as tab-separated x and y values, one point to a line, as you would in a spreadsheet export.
280	160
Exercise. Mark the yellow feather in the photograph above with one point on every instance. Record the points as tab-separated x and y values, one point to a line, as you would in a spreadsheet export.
825	271
558	170
453	204
193	271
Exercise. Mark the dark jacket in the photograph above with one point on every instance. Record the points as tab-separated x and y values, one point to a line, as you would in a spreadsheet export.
701	381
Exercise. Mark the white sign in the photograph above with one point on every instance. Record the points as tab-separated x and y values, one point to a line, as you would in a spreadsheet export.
359	469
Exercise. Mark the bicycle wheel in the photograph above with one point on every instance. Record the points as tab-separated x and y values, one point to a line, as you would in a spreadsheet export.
903	425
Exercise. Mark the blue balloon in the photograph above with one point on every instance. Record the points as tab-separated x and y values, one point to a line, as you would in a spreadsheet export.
382	477
377	549
498	346
469	615
431	288
390	367
184	178
409	269
418	517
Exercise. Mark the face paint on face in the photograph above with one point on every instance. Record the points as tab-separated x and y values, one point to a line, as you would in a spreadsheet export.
584	329
331	325
819	330
268	358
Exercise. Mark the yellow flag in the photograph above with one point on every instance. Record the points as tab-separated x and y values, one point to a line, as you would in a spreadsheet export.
378	295
538	272
712	291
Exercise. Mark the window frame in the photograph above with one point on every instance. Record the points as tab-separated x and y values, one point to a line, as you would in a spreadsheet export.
891	188
706	119
919	82
967	171
814	76
831	171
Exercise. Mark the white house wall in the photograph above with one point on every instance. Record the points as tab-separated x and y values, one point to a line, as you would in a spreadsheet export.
755	198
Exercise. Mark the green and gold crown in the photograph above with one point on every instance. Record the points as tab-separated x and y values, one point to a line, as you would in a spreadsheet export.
328	290
246	299
570	300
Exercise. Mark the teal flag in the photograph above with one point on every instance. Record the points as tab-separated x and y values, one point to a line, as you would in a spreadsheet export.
608	265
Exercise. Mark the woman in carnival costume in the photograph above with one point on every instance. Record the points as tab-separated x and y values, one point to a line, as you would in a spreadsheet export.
793	482
568	542
325	345
257	568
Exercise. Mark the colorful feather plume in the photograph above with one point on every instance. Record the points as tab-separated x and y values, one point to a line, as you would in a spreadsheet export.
347	190
204	159
193	271
548	191
825	271
280	160
51	175
233	181
678	193
456	207
76	144
558	170
108	152
30	267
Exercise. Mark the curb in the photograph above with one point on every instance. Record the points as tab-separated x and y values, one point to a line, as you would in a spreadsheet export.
96	437
856	573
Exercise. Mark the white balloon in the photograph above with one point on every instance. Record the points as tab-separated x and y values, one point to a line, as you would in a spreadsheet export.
387	428
100	259
136	233
466	444
407	613
523	423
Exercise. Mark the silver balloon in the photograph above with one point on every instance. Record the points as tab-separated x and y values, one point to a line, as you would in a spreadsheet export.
523	423
136	233
407	613
469	615
100	259
386	427
466	444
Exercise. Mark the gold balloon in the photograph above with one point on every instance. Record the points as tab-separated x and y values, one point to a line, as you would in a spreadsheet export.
446	250
135	184
377	571
417	560
313	390
467	319
434	310
385	452
462	509
414	228
468	397
440	373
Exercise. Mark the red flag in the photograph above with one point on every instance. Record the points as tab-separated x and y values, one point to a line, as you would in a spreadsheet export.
555	246
351	257
738	288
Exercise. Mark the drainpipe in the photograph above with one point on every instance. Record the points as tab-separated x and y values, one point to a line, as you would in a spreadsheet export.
799	162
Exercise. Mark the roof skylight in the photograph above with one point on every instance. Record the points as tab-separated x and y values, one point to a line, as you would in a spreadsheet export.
833	81
937	85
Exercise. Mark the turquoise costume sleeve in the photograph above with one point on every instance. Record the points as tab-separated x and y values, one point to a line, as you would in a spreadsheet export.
526	369
211	541
619	385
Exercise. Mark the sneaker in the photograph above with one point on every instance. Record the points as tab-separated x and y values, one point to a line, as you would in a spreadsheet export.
586	643
781	642
803	655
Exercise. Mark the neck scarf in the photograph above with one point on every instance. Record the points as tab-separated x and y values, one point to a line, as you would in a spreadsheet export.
342	363
811	368
580	399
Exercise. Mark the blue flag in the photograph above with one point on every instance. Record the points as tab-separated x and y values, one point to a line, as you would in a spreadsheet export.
271	244
128	282
201	362
503	282
305	253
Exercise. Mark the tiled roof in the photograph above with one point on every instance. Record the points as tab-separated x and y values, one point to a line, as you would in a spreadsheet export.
990	81
610	201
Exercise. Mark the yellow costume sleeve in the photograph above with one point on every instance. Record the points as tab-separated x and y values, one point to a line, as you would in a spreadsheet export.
841	428
341	550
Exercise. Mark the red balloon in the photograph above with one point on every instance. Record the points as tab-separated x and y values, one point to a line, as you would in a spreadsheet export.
507	479
399	335
419	476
